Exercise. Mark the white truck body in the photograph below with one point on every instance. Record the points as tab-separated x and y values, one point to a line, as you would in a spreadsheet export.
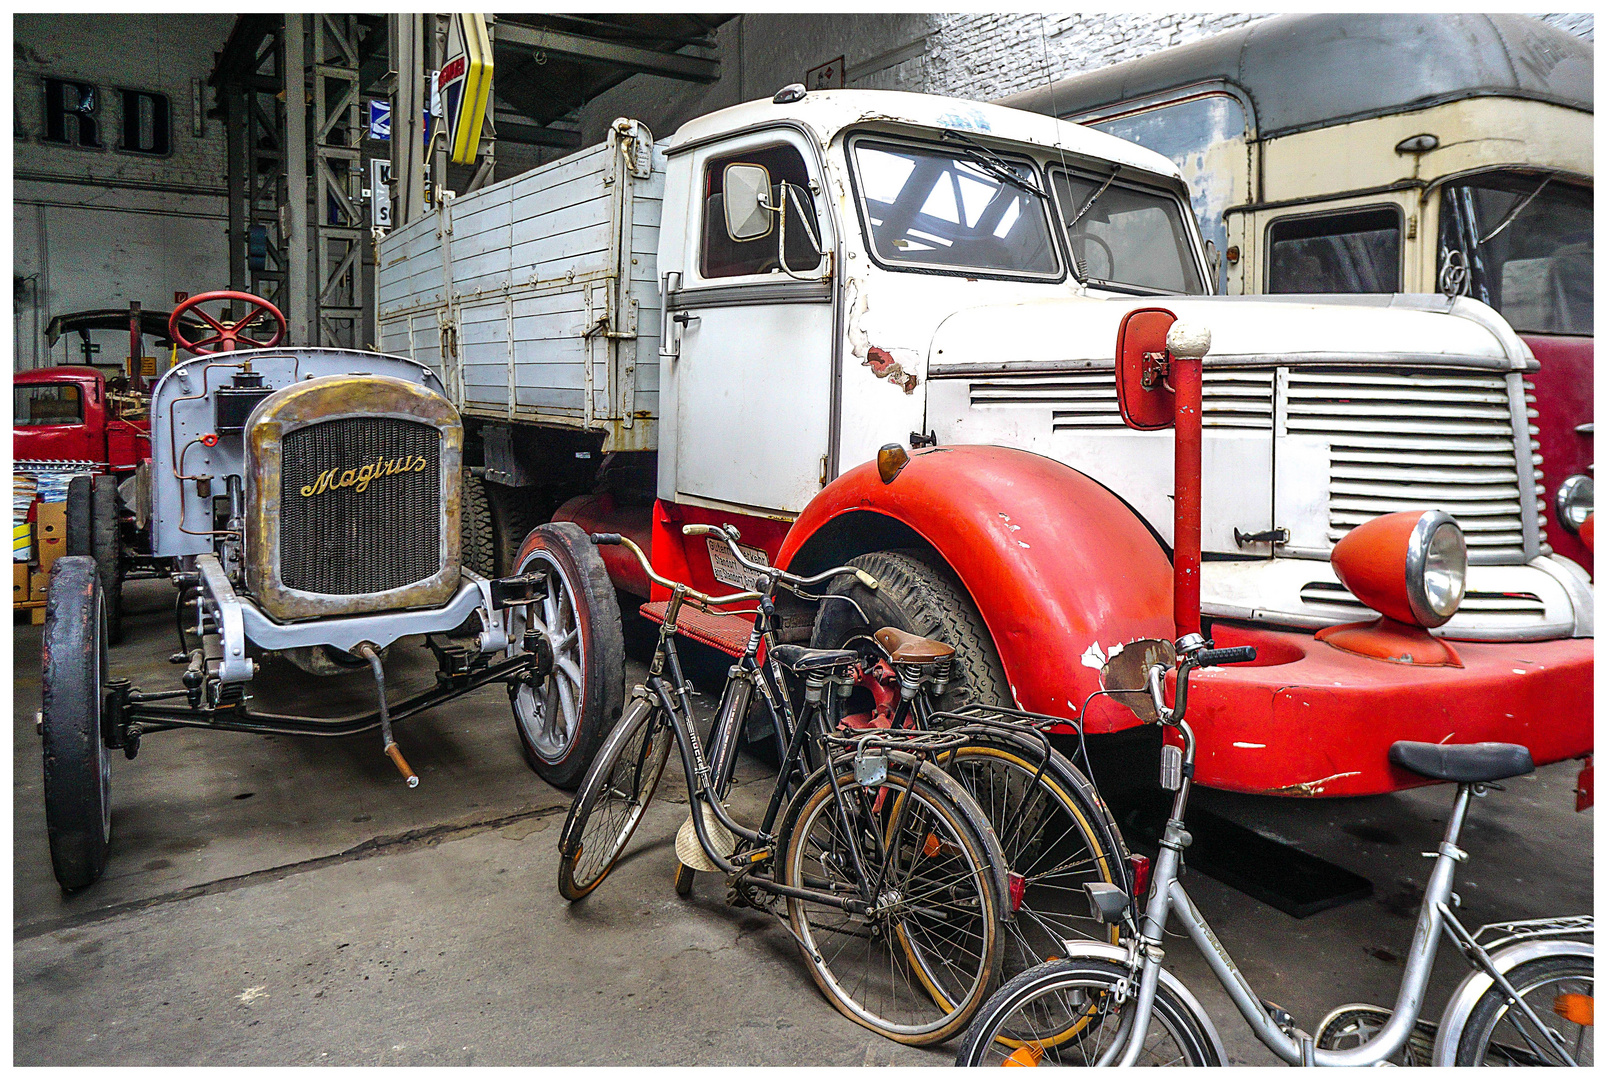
1319	414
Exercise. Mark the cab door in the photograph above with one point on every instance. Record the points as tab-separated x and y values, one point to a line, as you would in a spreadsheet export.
753	374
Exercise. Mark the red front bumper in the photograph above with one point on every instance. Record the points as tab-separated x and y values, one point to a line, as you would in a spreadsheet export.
1310	720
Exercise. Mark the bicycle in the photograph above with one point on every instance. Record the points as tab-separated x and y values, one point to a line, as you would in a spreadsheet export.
1529	999
894	885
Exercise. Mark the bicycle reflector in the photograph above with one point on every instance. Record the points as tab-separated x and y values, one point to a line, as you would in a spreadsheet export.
1139	865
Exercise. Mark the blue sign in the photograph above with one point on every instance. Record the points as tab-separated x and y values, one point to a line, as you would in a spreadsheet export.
379	119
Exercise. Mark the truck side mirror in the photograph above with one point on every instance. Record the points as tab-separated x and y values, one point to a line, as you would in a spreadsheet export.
1143	378
747	202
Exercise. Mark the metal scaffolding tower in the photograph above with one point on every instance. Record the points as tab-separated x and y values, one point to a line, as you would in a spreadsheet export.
337	226
254	119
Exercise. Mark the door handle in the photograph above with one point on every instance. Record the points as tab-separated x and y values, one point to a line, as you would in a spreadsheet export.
685	317
668	347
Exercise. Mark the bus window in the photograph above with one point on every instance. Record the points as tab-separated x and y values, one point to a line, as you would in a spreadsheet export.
1356	251
1528	247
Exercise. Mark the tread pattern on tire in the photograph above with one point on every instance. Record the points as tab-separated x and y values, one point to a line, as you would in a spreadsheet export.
478	550
70	755
933	604
1483	1014
107	548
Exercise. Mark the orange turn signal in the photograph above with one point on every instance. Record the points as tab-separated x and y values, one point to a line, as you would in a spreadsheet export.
890	461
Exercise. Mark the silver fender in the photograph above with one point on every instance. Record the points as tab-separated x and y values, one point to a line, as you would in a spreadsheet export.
1104	950
1454	1019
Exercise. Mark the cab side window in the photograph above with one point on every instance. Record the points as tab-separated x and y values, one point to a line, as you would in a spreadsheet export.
47	404
1353	252
721	256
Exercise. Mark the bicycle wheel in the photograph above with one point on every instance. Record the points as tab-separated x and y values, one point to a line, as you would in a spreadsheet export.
612	798
1561	990
918	965
1056	837
1025	1022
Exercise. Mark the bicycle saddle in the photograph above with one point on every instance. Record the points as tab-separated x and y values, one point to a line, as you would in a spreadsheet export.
799	659
1469	763
910	649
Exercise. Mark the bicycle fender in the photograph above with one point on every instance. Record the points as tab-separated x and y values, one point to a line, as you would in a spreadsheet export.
1454	1020
1104	950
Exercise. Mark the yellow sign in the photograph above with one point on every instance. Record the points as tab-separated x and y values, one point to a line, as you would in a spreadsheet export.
464	83
360	478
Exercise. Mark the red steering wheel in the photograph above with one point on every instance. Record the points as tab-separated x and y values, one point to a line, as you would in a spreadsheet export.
228	336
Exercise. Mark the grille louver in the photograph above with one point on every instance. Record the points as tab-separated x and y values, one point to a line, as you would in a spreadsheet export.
342	542
1518	606
1404	441
1087	401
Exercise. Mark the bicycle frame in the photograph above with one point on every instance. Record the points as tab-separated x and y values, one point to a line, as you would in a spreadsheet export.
706	785
1168	897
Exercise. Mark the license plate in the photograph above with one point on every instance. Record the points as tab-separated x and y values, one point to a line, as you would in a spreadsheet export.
730	572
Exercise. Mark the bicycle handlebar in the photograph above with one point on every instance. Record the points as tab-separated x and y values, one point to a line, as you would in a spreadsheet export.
780	576
729	534
1237	654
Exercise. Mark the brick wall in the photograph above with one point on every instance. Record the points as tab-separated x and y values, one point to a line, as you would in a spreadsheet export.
976	55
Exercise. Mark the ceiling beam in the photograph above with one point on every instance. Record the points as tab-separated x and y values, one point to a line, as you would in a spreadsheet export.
509	129
644	61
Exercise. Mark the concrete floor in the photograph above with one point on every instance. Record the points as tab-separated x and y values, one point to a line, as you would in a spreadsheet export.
282	901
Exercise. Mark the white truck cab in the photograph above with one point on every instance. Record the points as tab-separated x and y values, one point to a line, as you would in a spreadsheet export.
782	288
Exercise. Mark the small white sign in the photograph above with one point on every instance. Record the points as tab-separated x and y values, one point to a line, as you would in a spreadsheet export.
730	572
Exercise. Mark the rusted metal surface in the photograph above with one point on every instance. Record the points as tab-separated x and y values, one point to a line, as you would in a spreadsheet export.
330	397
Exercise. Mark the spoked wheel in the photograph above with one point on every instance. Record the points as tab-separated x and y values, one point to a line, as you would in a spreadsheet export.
1561	990
78	807
612	799
1348	1026
564	719
1056	836
916	967
1026	1021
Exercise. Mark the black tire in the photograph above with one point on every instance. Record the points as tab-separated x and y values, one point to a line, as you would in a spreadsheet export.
1495	1033
479	541
1064	1013
107	546
918	594
559	730
77	765
1056	837
924	969
512	518
80	515
612	800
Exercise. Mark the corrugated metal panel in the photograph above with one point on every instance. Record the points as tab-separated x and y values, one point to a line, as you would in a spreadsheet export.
1407	440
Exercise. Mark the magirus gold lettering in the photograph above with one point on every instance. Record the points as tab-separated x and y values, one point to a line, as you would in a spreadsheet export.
360	477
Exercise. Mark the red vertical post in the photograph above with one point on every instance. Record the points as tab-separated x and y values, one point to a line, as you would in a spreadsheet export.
1185	371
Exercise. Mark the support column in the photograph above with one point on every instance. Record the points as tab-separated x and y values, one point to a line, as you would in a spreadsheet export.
408	101
296	236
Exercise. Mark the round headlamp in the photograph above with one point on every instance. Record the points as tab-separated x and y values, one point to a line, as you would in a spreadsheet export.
1409	566
1576	500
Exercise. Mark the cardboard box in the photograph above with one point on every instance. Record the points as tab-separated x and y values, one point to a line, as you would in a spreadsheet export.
38	584
19	582
50	533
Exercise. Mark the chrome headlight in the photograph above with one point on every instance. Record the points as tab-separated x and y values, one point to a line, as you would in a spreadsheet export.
1576	500
1436	568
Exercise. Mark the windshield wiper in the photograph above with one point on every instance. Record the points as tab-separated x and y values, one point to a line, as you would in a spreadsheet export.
1114	169
1512	214
994	165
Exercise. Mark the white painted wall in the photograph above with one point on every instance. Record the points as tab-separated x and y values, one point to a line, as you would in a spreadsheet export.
99	228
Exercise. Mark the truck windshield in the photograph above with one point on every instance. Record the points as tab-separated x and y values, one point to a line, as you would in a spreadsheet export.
44	404
1127	236
943	210
1527	243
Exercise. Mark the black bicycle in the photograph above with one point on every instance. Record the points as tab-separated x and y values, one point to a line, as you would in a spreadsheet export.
895	886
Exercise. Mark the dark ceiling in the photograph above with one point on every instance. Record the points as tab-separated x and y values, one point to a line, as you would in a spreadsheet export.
546	65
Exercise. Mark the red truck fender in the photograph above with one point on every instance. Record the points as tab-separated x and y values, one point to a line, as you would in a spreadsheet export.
1053	560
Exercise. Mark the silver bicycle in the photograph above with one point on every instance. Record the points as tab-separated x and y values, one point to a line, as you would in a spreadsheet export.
1529	1000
